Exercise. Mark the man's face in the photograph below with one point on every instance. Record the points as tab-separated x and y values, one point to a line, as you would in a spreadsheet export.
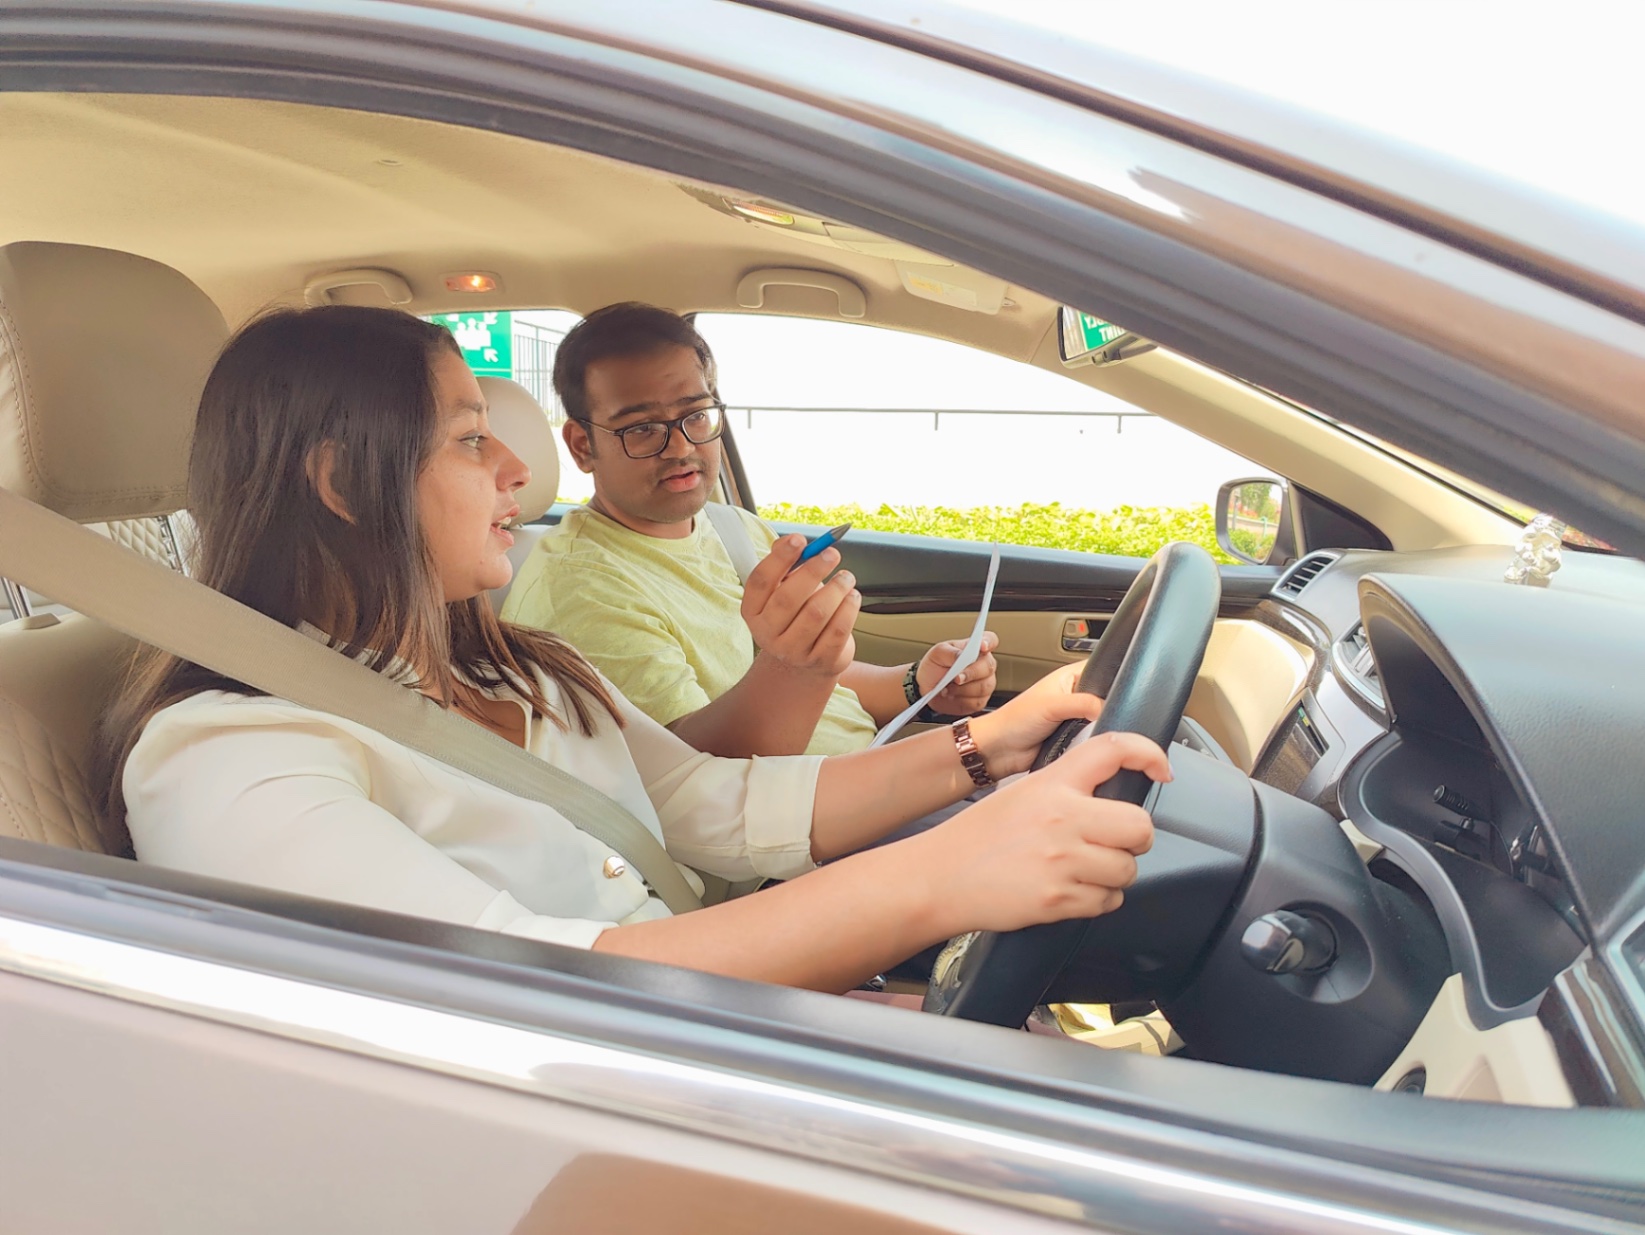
658	496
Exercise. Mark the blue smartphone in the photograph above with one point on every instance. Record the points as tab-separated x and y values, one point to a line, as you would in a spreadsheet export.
817	544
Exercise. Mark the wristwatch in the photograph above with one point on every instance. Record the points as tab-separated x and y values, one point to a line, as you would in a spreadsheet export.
970	757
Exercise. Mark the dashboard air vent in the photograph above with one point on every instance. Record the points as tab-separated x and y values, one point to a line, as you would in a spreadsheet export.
1357	665
1302	573
1359	649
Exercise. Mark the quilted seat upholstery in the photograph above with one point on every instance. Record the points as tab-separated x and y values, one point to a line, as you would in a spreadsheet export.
152	537
43	788
58	676
102	358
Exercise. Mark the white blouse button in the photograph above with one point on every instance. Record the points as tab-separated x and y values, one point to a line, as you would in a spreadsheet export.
614	868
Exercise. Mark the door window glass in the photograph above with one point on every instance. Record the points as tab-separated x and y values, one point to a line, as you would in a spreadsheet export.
897	432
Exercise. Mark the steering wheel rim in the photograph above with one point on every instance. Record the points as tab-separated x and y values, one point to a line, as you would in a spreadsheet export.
1144	667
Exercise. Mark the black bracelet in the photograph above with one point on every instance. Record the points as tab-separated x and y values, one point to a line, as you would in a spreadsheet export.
911	692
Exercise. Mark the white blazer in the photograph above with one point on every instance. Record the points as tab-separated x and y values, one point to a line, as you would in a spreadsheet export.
262	791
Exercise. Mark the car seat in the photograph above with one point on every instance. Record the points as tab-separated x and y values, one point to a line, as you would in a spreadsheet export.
519	421
102	358
167	539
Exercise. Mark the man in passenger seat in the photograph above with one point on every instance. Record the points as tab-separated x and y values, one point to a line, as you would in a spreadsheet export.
640	582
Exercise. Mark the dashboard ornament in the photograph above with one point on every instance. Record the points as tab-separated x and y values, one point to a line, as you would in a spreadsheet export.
1538	553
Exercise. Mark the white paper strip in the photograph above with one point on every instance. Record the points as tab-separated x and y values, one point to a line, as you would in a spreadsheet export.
967	656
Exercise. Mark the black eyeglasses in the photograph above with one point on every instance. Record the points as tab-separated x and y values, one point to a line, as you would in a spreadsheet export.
650	438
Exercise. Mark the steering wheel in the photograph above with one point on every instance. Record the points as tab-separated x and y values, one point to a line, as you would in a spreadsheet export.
1144	667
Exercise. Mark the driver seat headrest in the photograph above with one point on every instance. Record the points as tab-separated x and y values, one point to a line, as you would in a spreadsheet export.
102	359
522	425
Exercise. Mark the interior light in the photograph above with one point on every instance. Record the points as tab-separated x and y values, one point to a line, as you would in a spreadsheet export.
760	213
471	281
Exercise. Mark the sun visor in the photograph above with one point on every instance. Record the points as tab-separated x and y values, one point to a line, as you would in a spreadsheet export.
954	286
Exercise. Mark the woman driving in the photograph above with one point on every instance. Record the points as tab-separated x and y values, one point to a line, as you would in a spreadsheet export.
345	483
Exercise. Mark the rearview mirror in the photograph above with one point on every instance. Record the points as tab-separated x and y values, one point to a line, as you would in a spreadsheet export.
1083	339
1248	515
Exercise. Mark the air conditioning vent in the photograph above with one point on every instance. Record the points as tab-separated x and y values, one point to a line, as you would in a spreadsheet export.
1292	583
1357	665
1357	647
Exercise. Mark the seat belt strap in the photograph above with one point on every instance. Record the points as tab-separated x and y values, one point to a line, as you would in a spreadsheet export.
733	534
90	574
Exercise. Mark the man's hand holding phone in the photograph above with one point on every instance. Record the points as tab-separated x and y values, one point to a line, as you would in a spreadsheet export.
799	616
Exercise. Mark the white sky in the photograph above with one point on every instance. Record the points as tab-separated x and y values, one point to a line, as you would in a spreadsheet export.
1548	94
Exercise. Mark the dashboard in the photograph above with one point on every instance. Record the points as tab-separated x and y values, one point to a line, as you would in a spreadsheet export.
1485	737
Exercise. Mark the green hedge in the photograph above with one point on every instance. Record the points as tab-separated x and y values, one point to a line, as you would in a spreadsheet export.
1133	531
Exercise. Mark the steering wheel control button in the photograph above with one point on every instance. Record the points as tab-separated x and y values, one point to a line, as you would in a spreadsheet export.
614	868
1287	942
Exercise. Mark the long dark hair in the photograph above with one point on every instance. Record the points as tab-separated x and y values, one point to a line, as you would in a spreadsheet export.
359	382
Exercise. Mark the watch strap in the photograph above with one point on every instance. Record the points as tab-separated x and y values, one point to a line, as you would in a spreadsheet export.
970	757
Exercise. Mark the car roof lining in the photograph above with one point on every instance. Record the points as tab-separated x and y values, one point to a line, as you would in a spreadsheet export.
185	179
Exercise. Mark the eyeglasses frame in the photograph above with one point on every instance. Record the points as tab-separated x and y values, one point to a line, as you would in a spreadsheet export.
671	425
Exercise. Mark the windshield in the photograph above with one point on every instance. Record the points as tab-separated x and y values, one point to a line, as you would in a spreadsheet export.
1518	511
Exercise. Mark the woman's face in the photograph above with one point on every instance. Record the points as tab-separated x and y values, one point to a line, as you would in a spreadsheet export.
467	487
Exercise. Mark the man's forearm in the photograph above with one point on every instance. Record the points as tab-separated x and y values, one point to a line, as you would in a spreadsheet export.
878	689
773	710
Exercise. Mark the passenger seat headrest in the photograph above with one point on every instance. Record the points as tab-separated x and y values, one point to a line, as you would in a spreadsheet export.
519	421
102	359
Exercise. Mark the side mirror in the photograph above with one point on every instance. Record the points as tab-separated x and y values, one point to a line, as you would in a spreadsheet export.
1248	517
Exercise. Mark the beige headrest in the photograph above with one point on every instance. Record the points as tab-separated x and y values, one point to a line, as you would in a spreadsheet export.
519	420
102	359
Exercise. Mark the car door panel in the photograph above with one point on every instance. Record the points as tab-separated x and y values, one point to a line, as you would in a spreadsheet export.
1049	605
1030	642
901	573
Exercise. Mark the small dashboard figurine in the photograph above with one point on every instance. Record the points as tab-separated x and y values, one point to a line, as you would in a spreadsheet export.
1538	553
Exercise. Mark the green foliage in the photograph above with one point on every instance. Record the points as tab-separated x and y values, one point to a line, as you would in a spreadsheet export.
1253	544
1131	531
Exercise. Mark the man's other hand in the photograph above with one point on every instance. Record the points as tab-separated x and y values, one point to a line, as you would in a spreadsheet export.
968	693
803	620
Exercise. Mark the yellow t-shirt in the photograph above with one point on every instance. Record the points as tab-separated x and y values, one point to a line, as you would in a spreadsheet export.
661	618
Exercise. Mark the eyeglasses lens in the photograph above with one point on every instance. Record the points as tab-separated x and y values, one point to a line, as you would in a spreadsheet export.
647	440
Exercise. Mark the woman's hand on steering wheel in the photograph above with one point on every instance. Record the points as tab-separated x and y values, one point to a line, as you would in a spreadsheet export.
1042	849
1010	736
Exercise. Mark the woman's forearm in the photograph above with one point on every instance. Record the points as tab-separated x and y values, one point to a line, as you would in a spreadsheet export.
1040	850
829	930
864	795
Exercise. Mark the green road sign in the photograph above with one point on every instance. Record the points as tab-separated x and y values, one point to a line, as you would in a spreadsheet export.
1096	333
487	340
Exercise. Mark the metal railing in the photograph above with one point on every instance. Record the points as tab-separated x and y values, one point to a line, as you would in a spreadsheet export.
534	349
